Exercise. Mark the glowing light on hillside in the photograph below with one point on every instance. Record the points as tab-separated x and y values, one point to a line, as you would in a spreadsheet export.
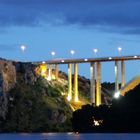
62	61
117	94
96	123
69	98
135	56
76	99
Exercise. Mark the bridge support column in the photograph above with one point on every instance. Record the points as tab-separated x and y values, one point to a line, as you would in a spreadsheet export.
116	76
98	84
92	83
75	82
122	73
50	72
43	70
69	82
56	71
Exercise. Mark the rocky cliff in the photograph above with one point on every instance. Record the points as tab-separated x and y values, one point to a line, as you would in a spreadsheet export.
7	82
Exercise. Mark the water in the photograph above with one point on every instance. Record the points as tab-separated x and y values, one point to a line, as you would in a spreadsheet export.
69	136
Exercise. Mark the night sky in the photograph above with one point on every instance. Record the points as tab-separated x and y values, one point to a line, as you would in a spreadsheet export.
63	25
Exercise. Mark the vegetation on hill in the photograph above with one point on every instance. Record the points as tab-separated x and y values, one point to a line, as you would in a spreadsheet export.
36	108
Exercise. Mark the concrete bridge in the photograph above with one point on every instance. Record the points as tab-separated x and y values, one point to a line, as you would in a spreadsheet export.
95	74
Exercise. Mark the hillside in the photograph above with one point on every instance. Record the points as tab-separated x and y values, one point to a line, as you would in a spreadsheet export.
30	103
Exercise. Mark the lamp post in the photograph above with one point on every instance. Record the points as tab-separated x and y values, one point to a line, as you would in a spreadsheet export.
95	51
119	49
72	53
23	48
53	54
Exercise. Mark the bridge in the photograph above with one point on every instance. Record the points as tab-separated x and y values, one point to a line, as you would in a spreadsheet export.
95	74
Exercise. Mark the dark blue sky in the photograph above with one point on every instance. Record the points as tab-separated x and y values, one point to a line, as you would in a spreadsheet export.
61	25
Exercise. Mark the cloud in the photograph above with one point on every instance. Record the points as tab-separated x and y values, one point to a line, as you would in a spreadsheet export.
115	15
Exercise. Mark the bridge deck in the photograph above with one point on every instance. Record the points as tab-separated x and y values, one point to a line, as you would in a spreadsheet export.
88	60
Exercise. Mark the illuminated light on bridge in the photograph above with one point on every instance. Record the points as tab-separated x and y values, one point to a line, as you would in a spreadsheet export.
117	94
85	59
135	56
43	62
62	61
110	58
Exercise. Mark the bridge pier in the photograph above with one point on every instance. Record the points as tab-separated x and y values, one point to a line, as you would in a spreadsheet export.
98	84
116	76
56	71
50	72
95	79
43	70
76	82
92	83
122	73
69	82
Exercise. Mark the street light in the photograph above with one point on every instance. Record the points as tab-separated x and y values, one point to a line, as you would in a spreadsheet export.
72	52
23	48
53	54
95	51
119	50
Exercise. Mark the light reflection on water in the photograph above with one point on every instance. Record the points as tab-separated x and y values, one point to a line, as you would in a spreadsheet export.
68	136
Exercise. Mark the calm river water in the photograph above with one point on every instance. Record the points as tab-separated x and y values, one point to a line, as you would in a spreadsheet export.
69	136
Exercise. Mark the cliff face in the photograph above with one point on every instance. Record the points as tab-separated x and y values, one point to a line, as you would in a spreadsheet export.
7	76
7	82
